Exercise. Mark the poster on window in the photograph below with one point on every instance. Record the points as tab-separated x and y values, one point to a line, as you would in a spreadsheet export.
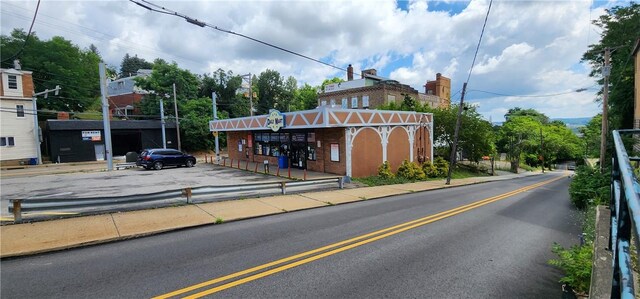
335	152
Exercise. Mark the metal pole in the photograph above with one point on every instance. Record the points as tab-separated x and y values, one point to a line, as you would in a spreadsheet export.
605	95
36	131
250	96
175	107
164	136
452	160
106	117
215	117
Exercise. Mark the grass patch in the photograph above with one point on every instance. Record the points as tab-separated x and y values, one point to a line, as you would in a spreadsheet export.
380	181
219	220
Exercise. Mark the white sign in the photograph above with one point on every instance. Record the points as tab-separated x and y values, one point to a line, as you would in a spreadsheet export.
91	135
335	152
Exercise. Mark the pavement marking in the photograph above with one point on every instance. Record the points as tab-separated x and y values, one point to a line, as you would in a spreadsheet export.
322	252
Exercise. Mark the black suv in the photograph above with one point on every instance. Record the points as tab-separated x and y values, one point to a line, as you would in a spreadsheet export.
161	157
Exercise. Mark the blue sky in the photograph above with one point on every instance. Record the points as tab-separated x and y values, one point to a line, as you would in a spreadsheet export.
530	48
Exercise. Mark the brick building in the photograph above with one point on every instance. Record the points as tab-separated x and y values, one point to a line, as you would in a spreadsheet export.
351	142
372	91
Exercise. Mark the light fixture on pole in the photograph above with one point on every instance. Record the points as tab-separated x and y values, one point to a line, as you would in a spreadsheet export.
250	93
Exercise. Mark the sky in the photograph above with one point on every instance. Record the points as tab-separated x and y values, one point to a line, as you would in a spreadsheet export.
529	56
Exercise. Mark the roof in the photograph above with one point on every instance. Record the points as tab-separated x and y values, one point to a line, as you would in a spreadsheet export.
70	125
326	117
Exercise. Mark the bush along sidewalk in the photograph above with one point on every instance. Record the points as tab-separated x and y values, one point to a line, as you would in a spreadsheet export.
588	189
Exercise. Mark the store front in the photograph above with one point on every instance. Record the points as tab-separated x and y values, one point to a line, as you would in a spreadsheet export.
348	142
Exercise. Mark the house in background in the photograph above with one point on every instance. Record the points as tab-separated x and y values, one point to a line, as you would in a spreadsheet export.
124	95
371	91
17	126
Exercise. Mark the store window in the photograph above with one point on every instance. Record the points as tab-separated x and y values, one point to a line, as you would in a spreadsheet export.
311	145
271	144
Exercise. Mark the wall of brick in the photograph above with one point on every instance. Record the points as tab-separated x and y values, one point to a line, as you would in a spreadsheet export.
328	137
27	85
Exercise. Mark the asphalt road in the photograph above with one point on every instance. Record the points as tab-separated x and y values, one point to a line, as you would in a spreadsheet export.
495	249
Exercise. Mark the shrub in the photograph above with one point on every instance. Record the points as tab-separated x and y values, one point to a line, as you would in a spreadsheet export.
589	186
429	169
384	171
411	171
442	166
575	262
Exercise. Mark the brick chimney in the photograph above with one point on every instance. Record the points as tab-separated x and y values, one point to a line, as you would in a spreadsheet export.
349	73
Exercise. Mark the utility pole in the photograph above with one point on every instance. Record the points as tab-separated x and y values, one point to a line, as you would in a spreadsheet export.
455	135
215	117
605	95
175	107
541	150
164	136
36	129
106	121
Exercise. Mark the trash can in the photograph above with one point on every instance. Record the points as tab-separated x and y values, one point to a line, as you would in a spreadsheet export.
131	157
33	161
283	162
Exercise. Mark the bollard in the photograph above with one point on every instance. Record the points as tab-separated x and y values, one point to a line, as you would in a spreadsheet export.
256	169
266	166
341	182
186	192
238	163
278	171
304	177
283	185
289	171
246	166
17	210
231	164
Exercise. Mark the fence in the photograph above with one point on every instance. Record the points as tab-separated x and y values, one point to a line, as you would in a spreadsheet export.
190	195
625	216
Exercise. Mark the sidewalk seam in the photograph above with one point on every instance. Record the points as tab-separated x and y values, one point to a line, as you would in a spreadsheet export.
214	217
115	225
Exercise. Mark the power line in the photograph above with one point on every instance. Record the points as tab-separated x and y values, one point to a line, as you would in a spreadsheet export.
531	96
199	23
479	41
28	35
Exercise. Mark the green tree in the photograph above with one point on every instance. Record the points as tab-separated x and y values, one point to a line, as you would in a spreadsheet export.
408	103
160	84
56	62
288	98
620	27
270	88
517	111
194	124
307	97
130	65
591	137
226	86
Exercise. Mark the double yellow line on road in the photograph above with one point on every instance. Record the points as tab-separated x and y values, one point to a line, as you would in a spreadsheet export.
322	252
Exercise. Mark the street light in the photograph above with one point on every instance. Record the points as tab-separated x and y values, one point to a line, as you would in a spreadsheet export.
250	93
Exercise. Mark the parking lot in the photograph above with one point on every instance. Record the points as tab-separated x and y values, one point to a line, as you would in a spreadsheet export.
122	182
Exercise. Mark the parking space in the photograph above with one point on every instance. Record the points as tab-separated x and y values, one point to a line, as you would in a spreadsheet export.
123	182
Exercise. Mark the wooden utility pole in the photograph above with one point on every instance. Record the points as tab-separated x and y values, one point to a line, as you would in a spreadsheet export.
605	95
452	159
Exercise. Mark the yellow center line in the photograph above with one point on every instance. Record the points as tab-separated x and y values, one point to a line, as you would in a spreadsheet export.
335	248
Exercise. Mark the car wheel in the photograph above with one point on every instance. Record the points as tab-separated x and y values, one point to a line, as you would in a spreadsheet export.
189	163
158	165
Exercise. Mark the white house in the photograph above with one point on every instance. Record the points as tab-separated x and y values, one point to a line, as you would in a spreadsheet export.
17	136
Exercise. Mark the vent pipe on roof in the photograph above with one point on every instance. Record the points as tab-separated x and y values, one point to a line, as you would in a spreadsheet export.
16	64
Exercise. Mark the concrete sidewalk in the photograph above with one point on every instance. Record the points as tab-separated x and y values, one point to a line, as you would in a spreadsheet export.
38	237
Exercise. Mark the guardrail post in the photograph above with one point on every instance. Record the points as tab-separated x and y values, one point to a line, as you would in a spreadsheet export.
187	193
283	185
17	210
341	182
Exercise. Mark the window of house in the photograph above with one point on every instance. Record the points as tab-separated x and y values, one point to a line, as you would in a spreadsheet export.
333	102
20	110
7	141
345	103
323	103
354	102
365	101
391	99
13	81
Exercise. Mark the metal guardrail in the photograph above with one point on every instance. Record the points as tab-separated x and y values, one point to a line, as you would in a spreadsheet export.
189	194
625	217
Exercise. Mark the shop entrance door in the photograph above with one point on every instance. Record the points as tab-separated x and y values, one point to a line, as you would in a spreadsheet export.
299	150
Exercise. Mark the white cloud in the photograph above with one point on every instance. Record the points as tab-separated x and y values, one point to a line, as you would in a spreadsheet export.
528	48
